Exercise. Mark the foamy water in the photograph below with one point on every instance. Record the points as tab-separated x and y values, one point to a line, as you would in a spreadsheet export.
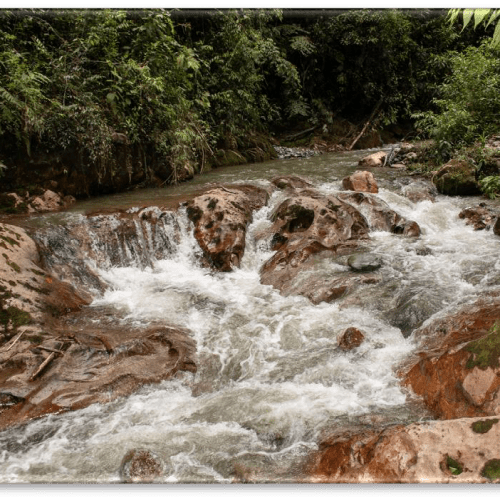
271	377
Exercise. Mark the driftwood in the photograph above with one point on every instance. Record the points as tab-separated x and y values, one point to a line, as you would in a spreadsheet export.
50	350
15	340
372	116
40	369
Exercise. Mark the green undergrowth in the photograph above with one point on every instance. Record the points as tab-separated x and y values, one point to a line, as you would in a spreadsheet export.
455	467
15	316
485	351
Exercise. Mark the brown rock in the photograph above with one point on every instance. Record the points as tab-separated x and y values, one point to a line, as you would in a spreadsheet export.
350	339
48	202
456	178
457	373
481	217
451	451
141	466
361	181
380	216
496	227
291	182
220	217
373	160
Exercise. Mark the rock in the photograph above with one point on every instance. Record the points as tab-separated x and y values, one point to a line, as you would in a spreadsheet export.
456	178
457	372
220	217
68	201
379	215
361	181
285	153
48	202
496	227
451	451
420	191
364	262
141	466
373	160
481	217
350	339
306	224
397	165
291	182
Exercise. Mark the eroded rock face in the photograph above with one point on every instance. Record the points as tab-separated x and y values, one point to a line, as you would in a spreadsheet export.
307	224
480	217
452	451
458	371
456	178
361	181
91	365
380	216
220	217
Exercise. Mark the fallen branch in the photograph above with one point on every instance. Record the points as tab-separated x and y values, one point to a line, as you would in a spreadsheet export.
50	350
300	134
43	365
15	340
375	109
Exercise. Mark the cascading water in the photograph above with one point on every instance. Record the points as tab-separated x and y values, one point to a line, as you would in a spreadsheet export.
271	378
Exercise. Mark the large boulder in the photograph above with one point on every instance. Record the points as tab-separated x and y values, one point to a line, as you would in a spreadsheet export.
360	181
465	450
457	369
307	224
457	178
220	217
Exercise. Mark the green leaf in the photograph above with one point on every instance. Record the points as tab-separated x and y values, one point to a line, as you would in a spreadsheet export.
495	14
453	14
495	42
111	97
468	13
480	15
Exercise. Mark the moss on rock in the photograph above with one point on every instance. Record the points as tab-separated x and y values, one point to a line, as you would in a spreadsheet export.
485	351
491	469
483	426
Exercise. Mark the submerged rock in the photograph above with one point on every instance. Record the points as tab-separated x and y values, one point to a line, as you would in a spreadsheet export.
480	217
364	262
291	182
420	191
220	217
141	466
350	339
361	181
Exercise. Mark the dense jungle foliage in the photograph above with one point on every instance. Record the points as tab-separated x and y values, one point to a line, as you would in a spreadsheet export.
187	86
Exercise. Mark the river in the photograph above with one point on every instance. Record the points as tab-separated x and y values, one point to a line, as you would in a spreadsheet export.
271	379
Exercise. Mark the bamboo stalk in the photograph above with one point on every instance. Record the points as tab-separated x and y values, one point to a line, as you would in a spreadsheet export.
50	357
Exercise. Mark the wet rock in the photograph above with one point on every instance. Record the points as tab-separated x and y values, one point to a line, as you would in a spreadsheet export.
96	364
457	372
456	178
379	215
220	217
141	466
285	153
420	191
364	262
448	451
481	217
48	202
307	224
373	160
291	182
350	339
496	227
361	181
